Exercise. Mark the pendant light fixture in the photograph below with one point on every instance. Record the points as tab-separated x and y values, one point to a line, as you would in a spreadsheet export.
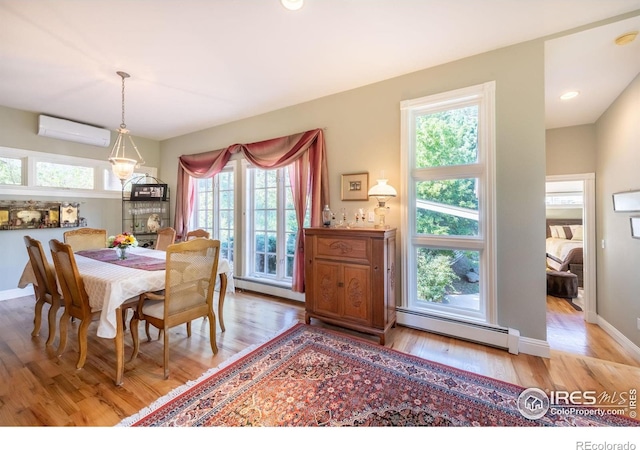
122	166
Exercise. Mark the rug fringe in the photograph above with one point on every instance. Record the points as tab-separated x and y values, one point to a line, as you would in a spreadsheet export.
179	390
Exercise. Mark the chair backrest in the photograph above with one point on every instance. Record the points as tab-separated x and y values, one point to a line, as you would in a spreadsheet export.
166	237
199	233
69	279
191	271
86	238
46	285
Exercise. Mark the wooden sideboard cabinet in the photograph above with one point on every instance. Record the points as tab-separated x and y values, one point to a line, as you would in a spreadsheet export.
350	278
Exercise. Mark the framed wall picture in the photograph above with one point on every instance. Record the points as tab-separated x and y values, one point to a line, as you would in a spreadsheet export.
635	227
355	186
148	192
626	201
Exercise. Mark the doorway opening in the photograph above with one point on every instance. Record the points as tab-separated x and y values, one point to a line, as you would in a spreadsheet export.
571	198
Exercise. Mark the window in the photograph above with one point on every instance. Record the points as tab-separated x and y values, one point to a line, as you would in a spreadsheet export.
10	171
63	175
447	146
251	211
214	209
25	172
564	200
272	225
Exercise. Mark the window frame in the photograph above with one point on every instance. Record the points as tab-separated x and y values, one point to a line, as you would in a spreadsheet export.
30	158
483	170
280	279
232	167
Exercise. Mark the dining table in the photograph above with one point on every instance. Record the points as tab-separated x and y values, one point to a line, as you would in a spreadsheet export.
110	282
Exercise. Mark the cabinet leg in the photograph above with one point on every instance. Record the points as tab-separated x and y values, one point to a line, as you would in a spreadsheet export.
307	319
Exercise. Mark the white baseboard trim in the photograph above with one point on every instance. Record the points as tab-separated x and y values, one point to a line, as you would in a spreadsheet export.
535	347
15	293
505	338
619	337
268	289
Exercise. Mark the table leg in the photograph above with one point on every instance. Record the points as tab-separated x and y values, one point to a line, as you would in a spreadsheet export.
119	342
223	291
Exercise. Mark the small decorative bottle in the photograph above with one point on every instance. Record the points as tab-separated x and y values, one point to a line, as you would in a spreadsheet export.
326	216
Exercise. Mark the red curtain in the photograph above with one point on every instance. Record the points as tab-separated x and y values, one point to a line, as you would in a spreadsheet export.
309	177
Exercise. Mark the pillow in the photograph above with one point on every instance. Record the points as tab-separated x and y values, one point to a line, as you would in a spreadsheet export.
577	233
560	231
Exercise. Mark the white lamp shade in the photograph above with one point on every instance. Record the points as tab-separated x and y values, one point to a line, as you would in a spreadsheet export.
382	189
123	167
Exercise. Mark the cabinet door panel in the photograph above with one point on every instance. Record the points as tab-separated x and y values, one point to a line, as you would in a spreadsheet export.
325	286
357	293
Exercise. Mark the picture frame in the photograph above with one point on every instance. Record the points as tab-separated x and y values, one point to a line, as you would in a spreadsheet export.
148	193
355	186
626	201
635	227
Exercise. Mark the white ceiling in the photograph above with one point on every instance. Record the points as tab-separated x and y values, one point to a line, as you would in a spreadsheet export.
591	63
200	63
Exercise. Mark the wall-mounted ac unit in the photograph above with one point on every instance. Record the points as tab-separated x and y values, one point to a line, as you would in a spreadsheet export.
73	131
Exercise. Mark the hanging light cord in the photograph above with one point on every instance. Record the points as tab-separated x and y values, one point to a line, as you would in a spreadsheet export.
123	75
119	148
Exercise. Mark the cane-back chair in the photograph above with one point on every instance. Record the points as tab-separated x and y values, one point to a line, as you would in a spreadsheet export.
191	271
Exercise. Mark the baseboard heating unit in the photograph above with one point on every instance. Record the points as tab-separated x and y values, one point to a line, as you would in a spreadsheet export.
494	336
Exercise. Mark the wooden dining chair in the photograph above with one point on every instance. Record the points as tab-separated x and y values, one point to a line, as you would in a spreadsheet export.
190	279
77	301
199	233
45	288
166	236
76	298
86	238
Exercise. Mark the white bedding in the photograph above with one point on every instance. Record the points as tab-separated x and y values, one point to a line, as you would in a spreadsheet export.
559	249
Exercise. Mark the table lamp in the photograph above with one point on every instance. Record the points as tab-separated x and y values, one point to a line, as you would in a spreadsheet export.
382	192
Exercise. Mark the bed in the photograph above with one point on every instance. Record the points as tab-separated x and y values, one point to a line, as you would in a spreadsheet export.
564	246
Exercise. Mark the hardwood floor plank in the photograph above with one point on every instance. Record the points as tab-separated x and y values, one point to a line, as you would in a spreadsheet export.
39	388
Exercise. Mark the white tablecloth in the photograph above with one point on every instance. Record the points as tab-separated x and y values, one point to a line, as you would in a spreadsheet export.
109	285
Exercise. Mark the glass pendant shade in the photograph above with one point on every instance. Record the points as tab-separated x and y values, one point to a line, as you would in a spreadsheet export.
121	165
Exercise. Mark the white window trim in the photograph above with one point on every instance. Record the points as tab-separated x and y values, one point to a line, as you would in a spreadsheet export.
231	166
280	278
243	280
28	187
486	164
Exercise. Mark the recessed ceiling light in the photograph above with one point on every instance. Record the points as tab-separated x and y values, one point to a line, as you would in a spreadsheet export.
292	5
626	38
569	95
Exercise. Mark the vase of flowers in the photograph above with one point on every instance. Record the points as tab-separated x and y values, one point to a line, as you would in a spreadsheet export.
121	243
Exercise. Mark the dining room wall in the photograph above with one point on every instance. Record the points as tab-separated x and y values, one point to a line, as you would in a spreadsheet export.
362	132
18	130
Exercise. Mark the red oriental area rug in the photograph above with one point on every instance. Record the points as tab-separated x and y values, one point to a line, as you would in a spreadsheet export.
309	376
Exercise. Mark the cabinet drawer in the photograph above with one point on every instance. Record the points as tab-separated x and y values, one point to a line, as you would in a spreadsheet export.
355	249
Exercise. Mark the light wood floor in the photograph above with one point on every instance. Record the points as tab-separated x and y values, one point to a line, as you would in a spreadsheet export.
38	388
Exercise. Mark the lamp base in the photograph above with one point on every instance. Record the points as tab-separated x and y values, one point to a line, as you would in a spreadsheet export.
381	227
